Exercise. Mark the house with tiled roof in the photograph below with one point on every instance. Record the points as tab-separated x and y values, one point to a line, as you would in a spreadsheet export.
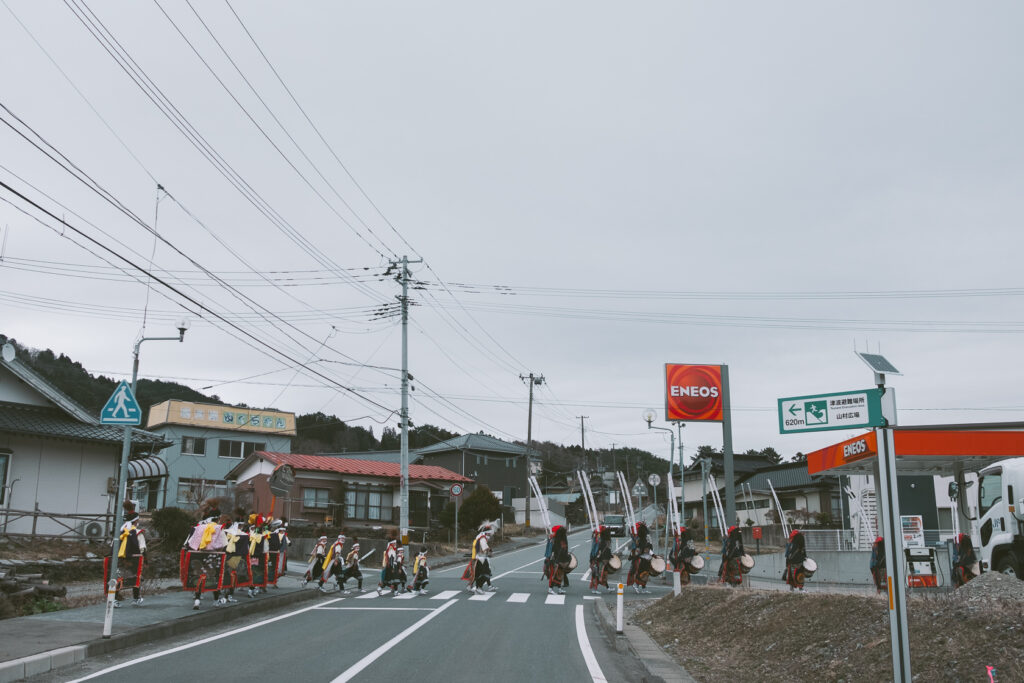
58	464
499	465
343	491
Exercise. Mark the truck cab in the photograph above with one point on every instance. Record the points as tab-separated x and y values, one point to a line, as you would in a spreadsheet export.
1001	517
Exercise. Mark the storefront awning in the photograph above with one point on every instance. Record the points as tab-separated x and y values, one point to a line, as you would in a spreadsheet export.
923	450
146	468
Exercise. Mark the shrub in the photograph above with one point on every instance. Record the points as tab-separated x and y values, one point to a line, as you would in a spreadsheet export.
172	525
478	506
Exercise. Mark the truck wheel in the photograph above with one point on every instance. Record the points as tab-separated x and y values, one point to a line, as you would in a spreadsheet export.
1008	565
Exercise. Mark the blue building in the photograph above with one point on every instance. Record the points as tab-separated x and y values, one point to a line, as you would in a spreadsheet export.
209	440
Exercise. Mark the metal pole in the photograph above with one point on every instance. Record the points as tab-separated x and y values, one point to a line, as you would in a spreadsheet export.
618	609
403	514
893	535
704	490
122	485
682	476
730	477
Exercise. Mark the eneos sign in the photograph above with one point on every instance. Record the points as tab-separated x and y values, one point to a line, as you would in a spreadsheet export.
693	393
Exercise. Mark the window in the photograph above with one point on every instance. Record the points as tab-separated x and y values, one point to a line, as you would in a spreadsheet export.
990	490
5	463
193	445
368	503
239	449
195	491
788	503
316	498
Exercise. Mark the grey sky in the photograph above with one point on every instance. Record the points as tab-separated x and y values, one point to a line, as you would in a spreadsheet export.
795	147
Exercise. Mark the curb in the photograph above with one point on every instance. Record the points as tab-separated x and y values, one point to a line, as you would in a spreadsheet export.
43	662
660	667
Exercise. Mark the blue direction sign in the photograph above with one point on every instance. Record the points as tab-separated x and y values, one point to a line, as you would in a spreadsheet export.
844	410
121	408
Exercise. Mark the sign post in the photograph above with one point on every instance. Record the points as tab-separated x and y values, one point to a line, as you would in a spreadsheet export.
822	412
456	491
700	393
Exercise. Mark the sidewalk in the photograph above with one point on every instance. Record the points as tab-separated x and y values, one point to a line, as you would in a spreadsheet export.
43	642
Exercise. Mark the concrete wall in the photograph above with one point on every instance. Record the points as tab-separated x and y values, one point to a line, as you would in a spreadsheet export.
61	476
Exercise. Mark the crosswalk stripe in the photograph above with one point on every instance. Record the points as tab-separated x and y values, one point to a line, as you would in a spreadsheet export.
446	595
405	596
555	600
518	597
368	596
484	597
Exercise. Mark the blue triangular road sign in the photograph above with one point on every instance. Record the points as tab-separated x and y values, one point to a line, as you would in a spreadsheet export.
121	407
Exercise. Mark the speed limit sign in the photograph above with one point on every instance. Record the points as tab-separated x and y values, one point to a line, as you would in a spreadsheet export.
456	489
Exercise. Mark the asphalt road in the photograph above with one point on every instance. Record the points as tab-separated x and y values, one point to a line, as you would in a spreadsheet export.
518	633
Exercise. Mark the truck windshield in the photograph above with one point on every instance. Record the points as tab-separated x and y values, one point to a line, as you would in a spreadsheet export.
990	490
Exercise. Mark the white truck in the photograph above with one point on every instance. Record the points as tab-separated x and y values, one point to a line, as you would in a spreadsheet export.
1001	517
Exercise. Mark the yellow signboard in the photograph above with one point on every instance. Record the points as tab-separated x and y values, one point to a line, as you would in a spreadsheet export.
221	417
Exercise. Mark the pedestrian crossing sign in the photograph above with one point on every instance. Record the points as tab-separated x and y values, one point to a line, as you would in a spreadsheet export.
121	408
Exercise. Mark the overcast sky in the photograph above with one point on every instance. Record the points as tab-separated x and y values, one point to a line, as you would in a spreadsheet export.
763	185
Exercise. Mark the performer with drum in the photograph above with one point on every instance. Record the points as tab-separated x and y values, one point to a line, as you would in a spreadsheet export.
388	568
877	564
682	556
964	560
237	558
560	560
731	571
796	553
599	559
641	552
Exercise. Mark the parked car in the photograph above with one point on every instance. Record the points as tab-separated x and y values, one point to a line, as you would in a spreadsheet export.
617	524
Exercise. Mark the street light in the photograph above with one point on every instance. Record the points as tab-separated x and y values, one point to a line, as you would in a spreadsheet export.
649	416
122	479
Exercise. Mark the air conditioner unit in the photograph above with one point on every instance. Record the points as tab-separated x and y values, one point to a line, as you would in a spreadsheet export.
92	530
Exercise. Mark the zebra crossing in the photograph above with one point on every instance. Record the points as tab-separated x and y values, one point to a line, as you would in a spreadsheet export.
510	598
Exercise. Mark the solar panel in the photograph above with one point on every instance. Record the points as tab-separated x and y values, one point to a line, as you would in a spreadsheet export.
878	363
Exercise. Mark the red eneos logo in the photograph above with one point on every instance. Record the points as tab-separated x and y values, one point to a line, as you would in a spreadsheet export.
693	393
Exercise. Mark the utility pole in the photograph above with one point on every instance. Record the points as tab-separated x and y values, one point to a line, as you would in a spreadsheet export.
583	442
403	515
531	380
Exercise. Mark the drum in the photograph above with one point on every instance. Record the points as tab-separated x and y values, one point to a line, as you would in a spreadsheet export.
573	563
695	564
614	564
746	564
810	566
657	565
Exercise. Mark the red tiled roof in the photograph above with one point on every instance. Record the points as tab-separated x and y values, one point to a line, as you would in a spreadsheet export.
369	468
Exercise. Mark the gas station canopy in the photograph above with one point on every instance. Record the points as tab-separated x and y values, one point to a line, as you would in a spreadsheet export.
931	449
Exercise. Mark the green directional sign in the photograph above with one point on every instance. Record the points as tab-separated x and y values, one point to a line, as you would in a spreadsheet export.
821	412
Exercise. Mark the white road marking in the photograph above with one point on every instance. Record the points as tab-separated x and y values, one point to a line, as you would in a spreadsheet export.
482	598
518	597
408	595
588	653
400	609
591	597
555	600
368	596
445	595
541	559
369	659
202	641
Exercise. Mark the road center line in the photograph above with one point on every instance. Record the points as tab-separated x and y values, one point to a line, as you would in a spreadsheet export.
369	659
203	641
588	653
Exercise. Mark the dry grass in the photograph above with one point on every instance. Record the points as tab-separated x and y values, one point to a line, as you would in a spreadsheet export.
720	634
